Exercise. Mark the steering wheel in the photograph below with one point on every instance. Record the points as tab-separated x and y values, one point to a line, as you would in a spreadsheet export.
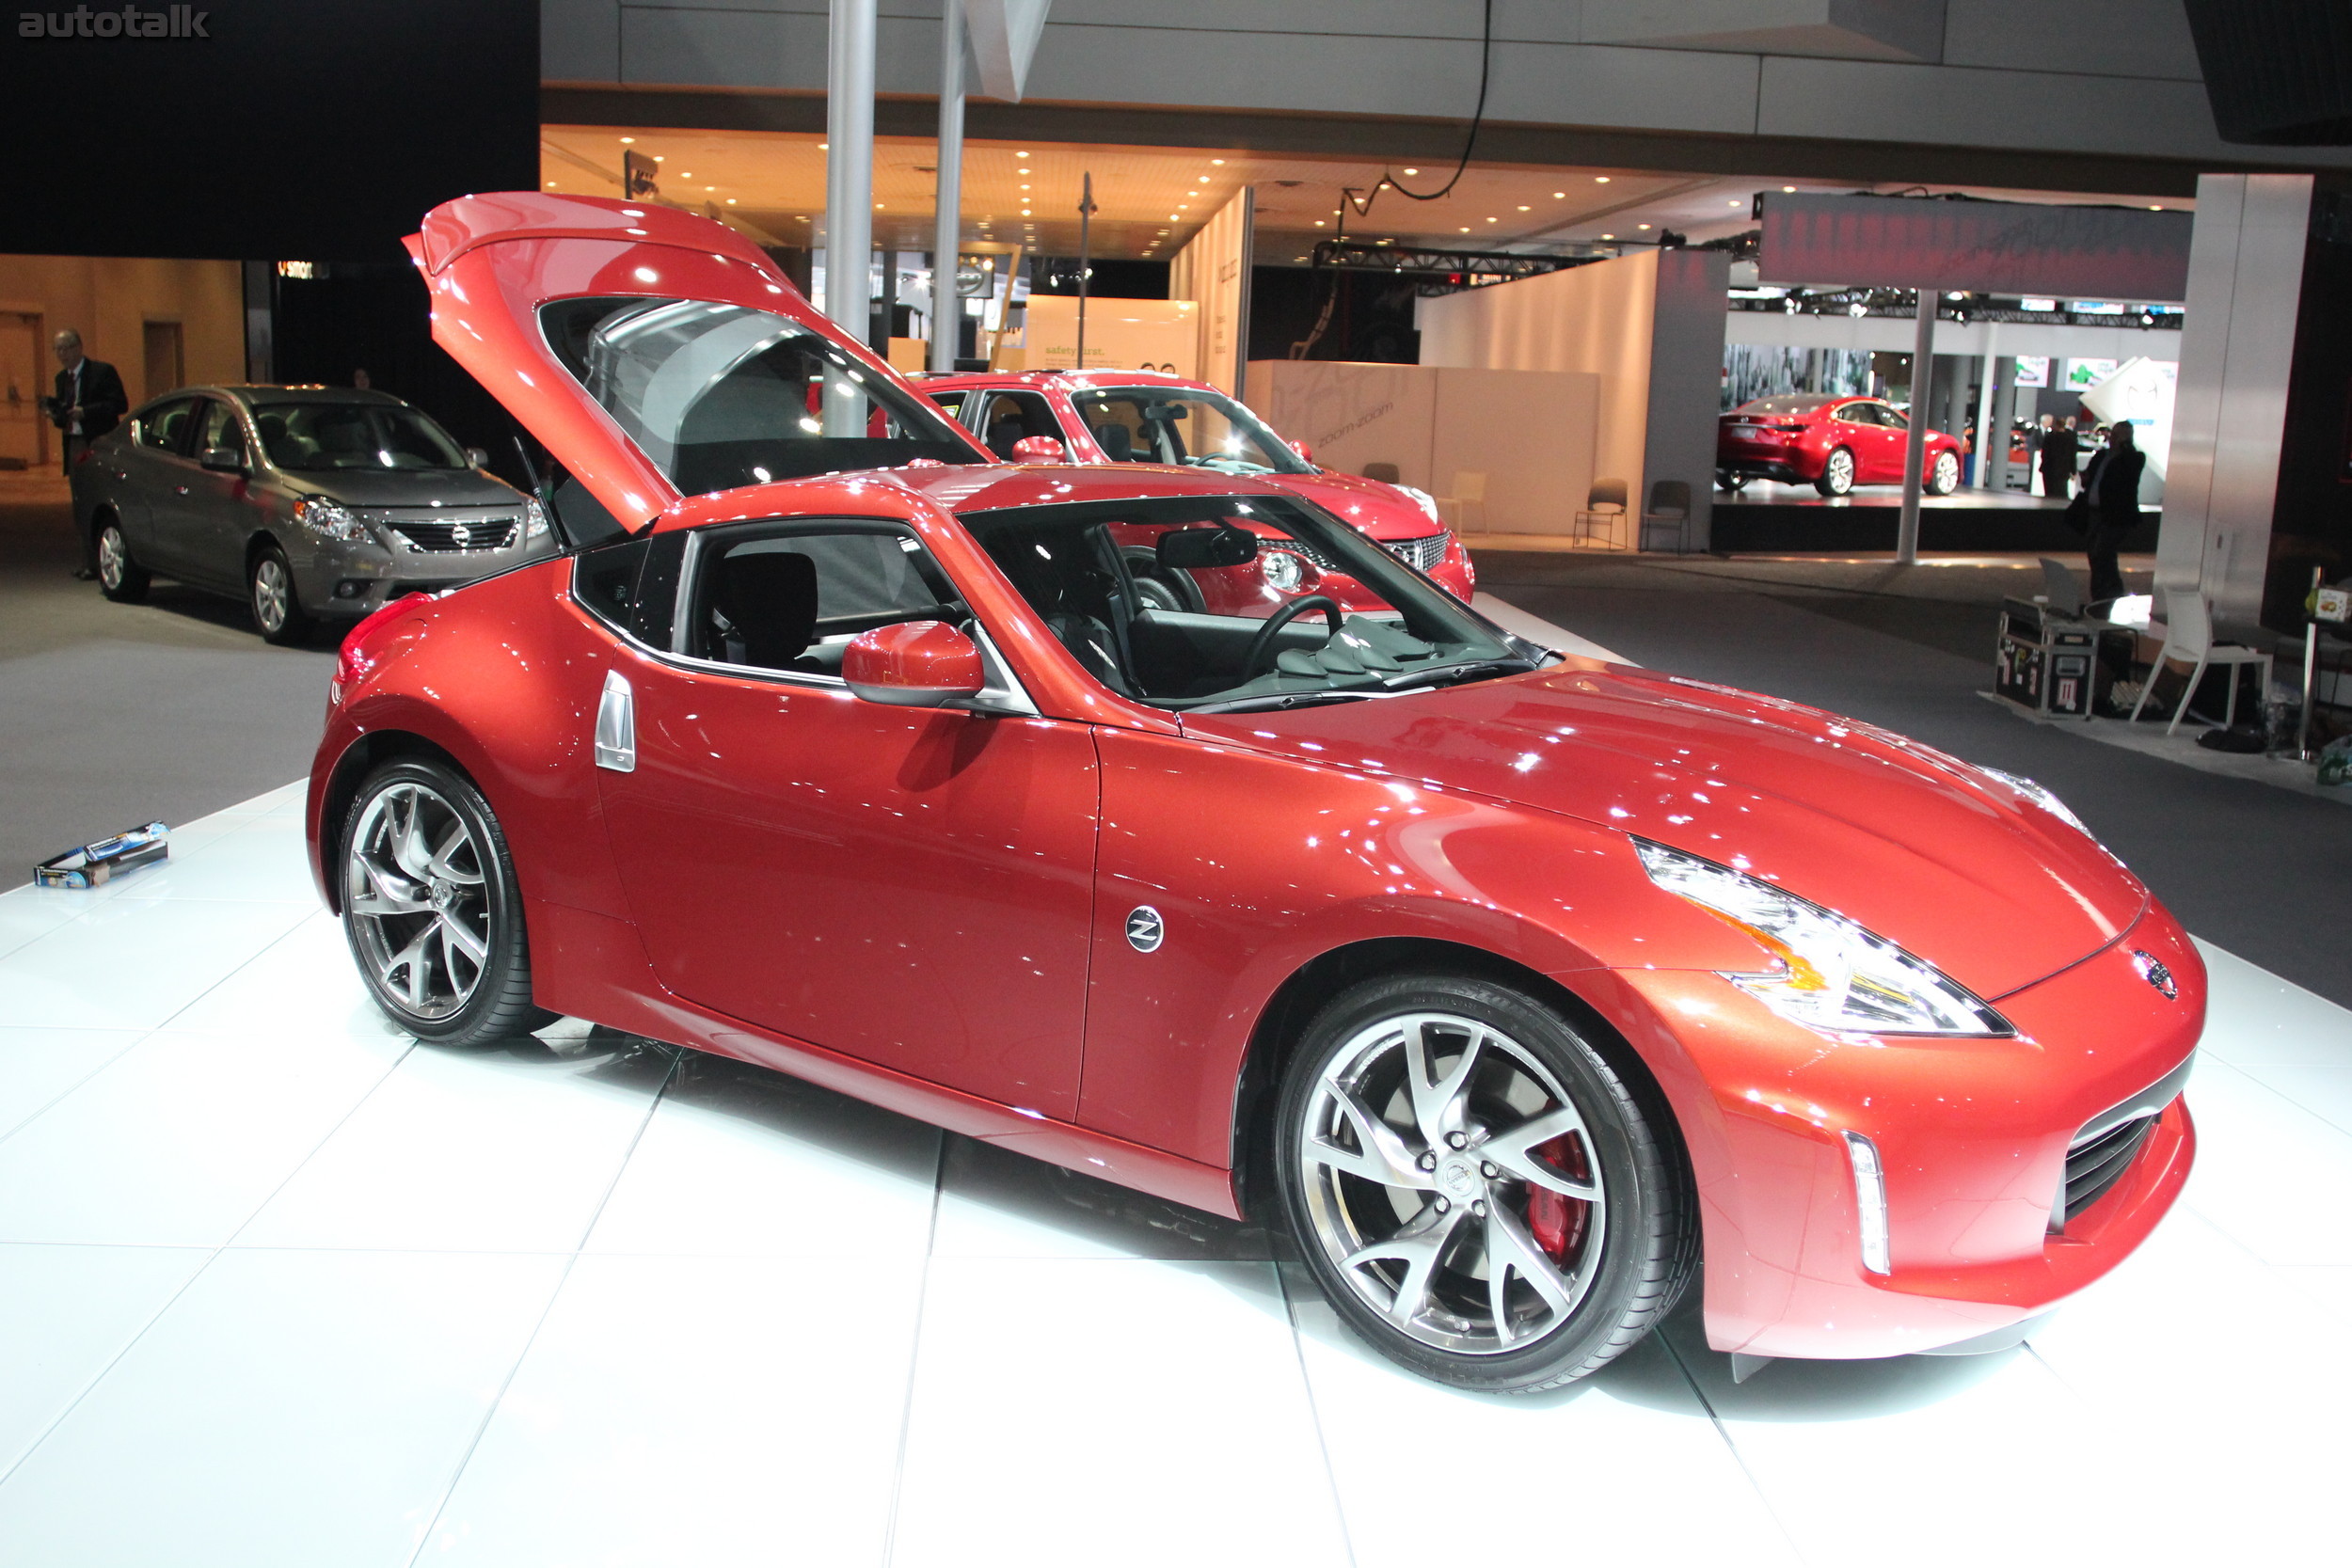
1261	646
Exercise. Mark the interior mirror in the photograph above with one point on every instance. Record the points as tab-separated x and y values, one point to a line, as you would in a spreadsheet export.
223	460
1039	449
476	457
1192	549
913	664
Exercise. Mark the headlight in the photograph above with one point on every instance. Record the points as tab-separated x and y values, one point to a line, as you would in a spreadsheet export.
1830	974
2040	796
534	519
330	519
1286	571
1424	499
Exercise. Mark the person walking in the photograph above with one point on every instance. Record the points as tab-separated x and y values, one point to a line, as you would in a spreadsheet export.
2058	455
90	402
2112	484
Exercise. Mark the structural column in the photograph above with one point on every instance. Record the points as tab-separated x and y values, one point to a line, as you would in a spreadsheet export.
849	168
1915	443
947	242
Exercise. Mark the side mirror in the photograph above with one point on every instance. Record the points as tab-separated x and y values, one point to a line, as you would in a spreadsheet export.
913	664
223	460
1040	449
1193	549
1306	453
476	457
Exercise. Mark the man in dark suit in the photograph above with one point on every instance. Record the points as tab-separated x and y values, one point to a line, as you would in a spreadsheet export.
90	402
2059	454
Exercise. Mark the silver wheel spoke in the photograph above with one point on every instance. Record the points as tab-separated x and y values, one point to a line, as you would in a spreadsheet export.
1438	1103
1420	1246
1510	1250
412	959
1383	1156
414	879
460	935
1515	1152
452	842
384	891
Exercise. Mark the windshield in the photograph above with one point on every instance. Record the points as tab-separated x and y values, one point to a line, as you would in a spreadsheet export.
318	438
720	396
1178	424
1236	601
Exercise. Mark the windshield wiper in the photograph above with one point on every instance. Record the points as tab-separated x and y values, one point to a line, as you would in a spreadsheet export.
1281	700
1454	674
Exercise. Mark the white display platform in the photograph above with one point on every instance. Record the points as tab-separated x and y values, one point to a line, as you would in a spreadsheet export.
278	1286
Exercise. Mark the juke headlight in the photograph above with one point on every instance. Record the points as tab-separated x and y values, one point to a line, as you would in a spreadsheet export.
534	518
1423	498
1829	974
330	519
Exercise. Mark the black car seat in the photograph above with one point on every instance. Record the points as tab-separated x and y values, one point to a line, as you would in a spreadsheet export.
1003	432
768	598
1117	442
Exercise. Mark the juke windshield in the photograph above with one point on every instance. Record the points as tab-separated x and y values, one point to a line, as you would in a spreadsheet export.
720	396
1186	426
1168	601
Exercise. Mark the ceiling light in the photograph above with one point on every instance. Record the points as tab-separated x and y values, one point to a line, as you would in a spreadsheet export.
658	158
1788	190
730	201
1609	236
802	217
713	189
627	140
1412	171
1559	196
822	145
878	206
686	174
1466	229
2154	208
550	184
1732	204
1021	154
1494	221
1172	218
1204	179
1523	209
1216	159
1600	179
1318	223
1641	226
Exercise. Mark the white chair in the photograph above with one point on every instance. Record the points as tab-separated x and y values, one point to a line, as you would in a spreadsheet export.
1469	489
2188	638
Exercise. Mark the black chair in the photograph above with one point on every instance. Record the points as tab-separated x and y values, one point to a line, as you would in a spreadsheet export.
1384	472
768	598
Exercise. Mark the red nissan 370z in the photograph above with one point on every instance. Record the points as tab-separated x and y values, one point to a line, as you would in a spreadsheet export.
1513	985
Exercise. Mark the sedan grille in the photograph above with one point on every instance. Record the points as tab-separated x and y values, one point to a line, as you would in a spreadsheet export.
481	533
1420	554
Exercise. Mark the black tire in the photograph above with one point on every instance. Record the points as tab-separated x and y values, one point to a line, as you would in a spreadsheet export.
1836	480
269	594
1642	1224
1943	473
120	578
497	1004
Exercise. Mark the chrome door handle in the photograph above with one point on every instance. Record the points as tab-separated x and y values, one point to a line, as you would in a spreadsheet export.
617	724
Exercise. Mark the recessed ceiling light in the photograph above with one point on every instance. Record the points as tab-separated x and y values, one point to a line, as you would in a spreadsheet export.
1788	190
1559	196
550	184
1609	236
730	201
1171	217
1216	159
713	189
658	158
1318	223
1600	179
1412	171
1732	204
1494	221
1523	208
822	145
1021	154
686	174
2154	208
1641	226
1204	179
1466	229
627	140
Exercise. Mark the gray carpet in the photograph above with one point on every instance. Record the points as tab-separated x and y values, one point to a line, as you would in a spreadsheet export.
2243	865
117	714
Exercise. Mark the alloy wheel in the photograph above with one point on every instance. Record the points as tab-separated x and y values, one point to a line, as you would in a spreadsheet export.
112	558
1947	473
1450	1179
1839	471
272	594
416	888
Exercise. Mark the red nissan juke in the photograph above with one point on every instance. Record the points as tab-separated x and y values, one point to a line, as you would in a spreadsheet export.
1513	985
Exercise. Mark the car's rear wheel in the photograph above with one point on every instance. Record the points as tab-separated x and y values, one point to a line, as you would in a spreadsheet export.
1944	477
1479	1193
1837	473
431	907
1729	483
120	578
278	613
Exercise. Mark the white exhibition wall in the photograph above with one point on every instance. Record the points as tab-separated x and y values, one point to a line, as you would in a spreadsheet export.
1532	434
1213	272
1648	328
1122	334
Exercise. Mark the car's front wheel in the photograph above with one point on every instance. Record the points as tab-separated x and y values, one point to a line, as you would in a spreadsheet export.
1479	1193
1837	473
431	907
120	578
1945	477
278	613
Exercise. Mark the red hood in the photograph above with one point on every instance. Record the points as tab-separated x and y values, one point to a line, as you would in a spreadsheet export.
1380	509
1915	845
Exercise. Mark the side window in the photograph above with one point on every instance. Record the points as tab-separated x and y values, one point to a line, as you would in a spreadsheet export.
1893	419
1009	416
791	598
632	585
220	427
950	404
1854	413
164	427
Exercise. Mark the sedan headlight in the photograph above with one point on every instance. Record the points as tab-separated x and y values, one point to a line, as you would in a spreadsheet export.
534	519
330	519
1829	972
2038	795
1426	501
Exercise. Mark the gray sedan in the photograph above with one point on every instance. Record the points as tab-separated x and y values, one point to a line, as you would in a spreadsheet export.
309	502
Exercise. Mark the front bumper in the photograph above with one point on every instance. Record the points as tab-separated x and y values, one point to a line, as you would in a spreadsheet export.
1973	1137
352	578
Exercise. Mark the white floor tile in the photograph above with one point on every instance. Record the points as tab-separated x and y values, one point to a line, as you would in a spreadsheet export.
178	1141
289	1408
1602	1463
642	1427
2323	1089
66	1312
2253	1016
259	859
739	1159
27	912
304	982
994	1203
1072	1413
2270	1173
504	1149
132	963
2329	1285
37	1066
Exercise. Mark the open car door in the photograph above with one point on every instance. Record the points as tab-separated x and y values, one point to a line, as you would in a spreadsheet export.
701	368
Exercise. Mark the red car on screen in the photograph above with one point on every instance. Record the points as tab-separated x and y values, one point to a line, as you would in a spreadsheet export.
1150	417
1831	443
1513	986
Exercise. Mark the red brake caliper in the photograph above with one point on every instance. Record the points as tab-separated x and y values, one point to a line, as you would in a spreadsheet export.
1556	1220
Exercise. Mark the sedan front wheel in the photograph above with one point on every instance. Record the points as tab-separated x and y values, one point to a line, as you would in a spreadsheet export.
1479	1193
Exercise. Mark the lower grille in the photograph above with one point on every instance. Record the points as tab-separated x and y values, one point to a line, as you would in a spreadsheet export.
1420	554
486	533
2097	1164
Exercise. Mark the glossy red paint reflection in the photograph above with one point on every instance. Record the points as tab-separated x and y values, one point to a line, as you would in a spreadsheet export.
926	906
